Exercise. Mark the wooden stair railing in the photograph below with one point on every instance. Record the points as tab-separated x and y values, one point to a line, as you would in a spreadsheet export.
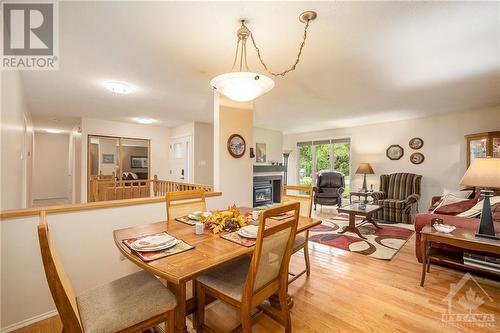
105	189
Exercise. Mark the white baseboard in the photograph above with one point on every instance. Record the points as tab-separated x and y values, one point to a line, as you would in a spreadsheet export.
28	321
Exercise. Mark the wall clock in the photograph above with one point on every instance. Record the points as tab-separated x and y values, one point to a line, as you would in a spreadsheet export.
416	143
394	152
417	158
236	145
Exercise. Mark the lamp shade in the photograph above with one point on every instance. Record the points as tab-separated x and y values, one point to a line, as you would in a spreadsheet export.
242	86
483	172
365	169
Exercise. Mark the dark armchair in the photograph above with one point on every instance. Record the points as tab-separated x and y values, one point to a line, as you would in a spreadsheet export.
398	194
329	188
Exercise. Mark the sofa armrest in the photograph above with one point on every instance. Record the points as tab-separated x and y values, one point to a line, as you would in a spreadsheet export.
413	198
378	195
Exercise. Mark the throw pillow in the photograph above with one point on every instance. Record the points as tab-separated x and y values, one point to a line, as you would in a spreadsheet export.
456	208
447	200
477	208
463	194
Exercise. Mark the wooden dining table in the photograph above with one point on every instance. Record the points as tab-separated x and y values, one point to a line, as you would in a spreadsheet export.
210	250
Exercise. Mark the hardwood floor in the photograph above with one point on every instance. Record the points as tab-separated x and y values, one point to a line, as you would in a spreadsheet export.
349	292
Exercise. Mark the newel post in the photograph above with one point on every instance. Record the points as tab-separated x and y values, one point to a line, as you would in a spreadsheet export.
155	185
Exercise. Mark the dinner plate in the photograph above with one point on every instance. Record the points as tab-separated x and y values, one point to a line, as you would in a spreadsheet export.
153	241
156	248
249	231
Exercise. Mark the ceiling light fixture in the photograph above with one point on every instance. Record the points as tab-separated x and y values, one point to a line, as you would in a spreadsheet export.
145	121
53	131
118	87
245	86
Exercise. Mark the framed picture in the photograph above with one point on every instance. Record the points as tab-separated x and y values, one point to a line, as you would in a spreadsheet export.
236	145
260	153
416	143
417	158
108	158
394	152
138	162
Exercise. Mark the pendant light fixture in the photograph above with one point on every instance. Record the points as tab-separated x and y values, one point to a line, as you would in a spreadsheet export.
244	85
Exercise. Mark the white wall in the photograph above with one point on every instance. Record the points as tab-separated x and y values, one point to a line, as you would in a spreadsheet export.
16	143
274	143
158	135
84	241
203	157
444	148
232	176
51	174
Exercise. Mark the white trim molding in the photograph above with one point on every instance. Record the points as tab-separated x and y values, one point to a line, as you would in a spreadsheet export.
28	321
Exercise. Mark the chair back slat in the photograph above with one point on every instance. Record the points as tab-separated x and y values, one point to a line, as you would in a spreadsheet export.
182	203
273	249
59	284
305	200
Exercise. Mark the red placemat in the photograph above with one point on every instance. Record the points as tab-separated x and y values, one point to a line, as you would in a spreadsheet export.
181	246
234	237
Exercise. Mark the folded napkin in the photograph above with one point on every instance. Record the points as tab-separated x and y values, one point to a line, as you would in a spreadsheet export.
153	241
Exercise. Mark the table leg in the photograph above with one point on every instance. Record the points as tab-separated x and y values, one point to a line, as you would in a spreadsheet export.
352	227
370	219
423	250
179	290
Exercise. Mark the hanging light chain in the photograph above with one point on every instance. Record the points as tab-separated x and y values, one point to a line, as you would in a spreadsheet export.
292	68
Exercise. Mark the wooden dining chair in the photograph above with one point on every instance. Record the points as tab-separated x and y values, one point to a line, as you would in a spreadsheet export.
182	203
303	195
247	282
130	304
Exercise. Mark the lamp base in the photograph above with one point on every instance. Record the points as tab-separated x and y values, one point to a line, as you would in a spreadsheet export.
486	226
487	236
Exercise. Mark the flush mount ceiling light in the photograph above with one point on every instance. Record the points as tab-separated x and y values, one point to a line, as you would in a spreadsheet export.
245	86
145	121
118	87
53	131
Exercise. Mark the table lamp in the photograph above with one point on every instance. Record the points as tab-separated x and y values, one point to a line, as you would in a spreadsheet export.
484	173
364	169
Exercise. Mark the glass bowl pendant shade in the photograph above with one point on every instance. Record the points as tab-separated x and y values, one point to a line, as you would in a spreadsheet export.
242	86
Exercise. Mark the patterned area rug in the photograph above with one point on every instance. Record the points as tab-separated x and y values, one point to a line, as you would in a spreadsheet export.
380	243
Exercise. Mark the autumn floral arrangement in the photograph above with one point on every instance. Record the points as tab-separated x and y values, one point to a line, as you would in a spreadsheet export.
227	220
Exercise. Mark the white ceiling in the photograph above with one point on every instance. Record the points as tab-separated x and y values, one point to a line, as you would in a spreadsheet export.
364	62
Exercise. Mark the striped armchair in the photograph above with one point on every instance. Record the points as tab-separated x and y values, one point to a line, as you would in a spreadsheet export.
399	192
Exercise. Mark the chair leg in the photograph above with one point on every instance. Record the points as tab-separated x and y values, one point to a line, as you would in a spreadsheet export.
246	319
200	312
171	322
285	311
306	258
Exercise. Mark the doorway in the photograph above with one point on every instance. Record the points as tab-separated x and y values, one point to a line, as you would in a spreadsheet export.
180	159
324	155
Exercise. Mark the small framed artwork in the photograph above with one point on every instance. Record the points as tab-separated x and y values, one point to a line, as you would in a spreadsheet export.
416	143
108	158
417	158
260	153
138	162
236	145
394	152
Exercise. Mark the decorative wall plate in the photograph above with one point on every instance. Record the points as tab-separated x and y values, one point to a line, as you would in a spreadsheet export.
236	145
416	143
417	158
394	152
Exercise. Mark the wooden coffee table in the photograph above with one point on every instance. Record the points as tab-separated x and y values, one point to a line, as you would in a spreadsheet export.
460	237
354	210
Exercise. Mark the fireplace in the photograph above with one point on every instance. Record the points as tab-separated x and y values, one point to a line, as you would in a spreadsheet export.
266	190
262	194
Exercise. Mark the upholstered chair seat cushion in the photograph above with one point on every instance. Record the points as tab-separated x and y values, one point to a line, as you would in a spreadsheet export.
299	241
228	279
392	203
123	303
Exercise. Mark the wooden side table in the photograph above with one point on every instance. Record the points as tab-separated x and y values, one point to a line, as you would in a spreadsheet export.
360	194
462	238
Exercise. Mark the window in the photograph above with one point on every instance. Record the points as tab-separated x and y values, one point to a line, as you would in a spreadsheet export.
324	155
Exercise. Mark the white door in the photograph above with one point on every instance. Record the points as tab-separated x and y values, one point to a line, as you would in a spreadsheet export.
179	159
